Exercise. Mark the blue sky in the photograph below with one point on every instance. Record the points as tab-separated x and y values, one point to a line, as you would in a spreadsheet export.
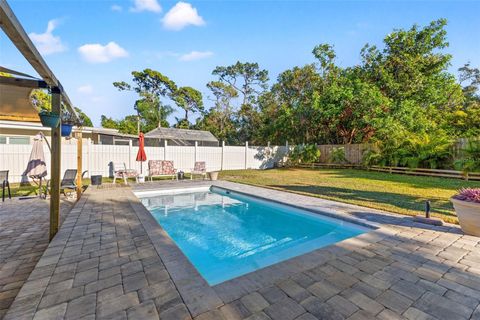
90	44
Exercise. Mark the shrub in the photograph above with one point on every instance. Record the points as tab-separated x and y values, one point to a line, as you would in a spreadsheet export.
338	155
305	154
470	160
468	194
371	157
427	150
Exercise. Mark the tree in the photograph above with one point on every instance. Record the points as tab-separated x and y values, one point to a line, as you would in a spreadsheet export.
84	119
107	122
151	115
411	71
218	120
152	87
190	100
126	125
250	82
287	111
247	78
470	79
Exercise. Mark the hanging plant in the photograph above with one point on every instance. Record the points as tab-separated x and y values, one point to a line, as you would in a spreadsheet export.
49	119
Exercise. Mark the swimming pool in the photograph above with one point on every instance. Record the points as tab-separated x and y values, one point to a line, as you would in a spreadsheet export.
226	234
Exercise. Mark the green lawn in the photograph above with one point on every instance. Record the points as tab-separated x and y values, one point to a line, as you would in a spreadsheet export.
32	189
390	192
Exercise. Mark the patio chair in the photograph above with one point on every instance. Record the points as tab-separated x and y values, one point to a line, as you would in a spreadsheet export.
200	169
5	184
69	181
120	171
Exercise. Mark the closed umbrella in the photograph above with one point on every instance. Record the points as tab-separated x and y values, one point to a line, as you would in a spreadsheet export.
36	167
141	156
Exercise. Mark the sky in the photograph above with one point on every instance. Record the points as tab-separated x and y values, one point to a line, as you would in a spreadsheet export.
90	44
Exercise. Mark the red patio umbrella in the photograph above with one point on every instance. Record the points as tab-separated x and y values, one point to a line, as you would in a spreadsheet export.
141	156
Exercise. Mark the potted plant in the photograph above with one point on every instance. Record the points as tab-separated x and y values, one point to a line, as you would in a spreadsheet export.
467	206
213	175
67	124
49	119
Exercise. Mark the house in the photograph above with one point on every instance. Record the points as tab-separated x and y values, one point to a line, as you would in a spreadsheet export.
22	132
181	137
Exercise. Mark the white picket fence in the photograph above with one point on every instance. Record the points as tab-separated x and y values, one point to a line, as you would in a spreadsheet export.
97	159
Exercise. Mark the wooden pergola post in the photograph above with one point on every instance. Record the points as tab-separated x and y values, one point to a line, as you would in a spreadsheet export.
79	164
17	35
55	166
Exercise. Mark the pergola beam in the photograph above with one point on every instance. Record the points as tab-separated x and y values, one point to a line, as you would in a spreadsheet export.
25	83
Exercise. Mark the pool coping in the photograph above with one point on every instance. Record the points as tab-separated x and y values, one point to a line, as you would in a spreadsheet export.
198	295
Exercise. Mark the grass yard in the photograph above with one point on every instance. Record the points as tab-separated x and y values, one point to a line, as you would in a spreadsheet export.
32	189
390	192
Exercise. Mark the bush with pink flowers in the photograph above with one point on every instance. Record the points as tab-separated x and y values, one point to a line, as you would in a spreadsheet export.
468	194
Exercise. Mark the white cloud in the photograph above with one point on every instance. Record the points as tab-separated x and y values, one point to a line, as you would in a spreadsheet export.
97	53
146	5
85	89
116	8
46	42
195	55
182	15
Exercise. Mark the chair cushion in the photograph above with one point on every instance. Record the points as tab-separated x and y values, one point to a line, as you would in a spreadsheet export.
167	167
155	167
200	166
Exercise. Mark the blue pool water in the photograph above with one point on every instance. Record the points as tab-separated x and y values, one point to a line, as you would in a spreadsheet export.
225	235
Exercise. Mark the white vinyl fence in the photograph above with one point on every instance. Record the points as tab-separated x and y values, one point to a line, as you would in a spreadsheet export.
97	159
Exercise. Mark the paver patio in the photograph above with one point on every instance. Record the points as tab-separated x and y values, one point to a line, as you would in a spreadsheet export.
110	260
23	239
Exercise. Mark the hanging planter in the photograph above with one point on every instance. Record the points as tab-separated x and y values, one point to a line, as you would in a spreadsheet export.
49	119
66	129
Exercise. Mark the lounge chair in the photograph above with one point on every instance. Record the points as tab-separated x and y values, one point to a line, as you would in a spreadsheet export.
69	181
120	171
200	169
5	184
161	168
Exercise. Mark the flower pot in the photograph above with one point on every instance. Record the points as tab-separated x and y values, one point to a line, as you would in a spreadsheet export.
66	129
468	214
49	120
213	175
96	180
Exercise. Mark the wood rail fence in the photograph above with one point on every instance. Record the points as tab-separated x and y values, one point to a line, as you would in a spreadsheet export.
400	170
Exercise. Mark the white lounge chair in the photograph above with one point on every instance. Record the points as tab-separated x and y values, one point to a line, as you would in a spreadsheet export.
120	171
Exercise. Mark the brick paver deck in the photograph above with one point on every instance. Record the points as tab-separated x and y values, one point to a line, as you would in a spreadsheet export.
111	260
24	226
